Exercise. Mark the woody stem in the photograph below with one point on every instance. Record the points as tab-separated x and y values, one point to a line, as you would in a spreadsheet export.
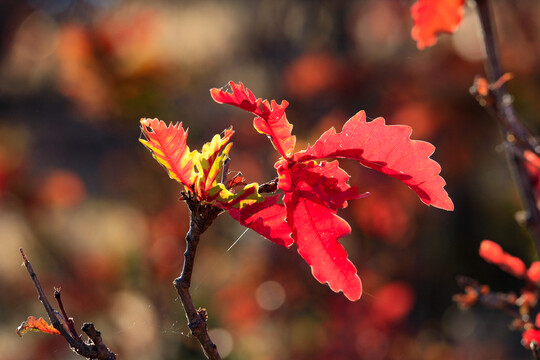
515	135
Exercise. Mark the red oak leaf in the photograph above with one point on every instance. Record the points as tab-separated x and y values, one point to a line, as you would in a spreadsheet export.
267	219
315	229
388	149
313	193
39	325
270	120
432	17
324	182
168	146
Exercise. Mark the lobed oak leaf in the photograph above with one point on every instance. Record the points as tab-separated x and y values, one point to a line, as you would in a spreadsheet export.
387	149
313	193
270	116
325	182
39	325
314	190
169	148
210	164
432	17
315	230
267	219
220	196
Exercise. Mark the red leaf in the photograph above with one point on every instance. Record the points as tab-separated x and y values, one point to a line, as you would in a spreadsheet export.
533	274
316	229
325	182
432	17
266	218
270	120
315	190
388	149
493	253
311	214
39	325
529	336
168	146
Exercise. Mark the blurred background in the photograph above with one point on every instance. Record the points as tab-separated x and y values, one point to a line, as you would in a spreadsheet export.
98	217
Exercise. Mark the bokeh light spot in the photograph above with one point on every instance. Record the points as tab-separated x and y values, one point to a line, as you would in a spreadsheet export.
270	295
63	189
458	324
223	340
372	344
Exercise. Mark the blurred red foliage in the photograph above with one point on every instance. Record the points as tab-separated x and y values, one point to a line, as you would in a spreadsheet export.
432	17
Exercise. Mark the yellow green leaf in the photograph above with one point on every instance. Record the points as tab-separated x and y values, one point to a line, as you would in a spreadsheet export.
169	148
226	199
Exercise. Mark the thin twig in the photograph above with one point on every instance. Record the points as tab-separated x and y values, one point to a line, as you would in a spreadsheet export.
91	351
478	293
70	323
514	133
201	217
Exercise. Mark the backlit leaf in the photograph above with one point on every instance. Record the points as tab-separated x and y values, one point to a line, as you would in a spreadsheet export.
38	325
388	149
220	196
266	218
270	117
169	148
312	195
432	17
315	189
325	182
316	229
210	164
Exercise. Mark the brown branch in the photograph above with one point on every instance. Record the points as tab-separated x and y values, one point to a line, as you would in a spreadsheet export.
481	294
201	217
514	133
95	350
70	323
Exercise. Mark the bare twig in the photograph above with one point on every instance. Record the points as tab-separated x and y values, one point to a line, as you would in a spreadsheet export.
70	323
514	133
478	293
201	217
95	350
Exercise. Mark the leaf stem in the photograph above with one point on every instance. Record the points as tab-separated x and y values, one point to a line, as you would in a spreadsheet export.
201	218
514	133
